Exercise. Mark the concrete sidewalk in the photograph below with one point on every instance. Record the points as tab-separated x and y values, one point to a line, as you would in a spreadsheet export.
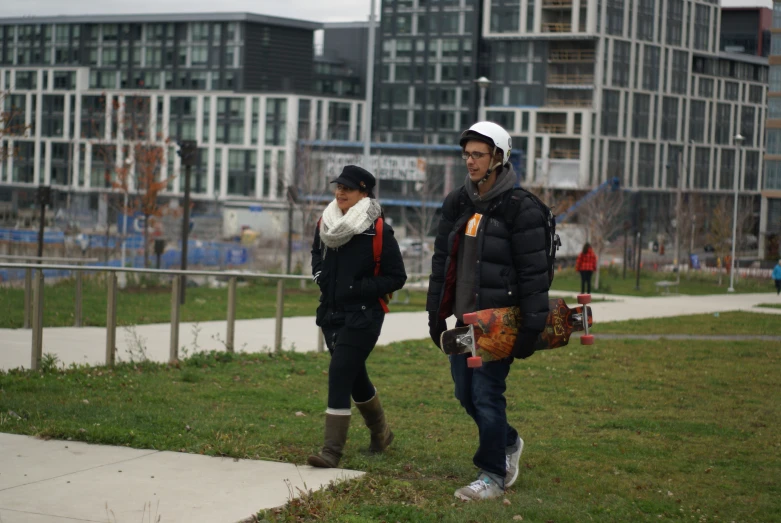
87	345
60	481
67	481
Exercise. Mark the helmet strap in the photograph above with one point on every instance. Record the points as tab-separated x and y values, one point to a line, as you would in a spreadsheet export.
493	165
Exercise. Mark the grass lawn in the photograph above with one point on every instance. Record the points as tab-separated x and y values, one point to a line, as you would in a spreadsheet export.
612	282
770	305
621	431
724	323
138	305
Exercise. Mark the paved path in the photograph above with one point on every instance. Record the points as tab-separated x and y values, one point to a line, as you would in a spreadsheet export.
65	482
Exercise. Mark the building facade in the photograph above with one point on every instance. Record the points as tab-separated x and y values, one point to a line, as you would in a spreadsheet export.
88	95
770	225
589	89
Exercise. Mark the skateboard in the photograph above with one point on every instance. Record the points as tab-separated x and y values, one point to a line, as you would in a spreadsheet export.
490	334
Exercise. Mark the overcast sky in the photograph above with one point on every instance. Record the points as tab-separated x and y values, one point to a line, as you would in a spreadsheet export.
314	10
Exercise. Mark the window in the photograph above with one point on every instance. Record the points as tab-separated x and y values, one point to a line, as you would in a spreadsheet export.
728	171
701	168
403	24
755	94
747	125
680	72
615	17
621	52
701	27
751	171
706	87
723	135
610	116
276	121
669	118
731	90
773	178
645	20
674	22
505	16
774	108
616	154
773	145
641	115
651	68
697	121
646	164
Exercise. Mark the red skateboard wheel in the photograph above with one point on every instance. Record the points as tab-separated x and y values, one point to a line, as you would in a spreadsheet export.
474	362
583	299
587	339
470	318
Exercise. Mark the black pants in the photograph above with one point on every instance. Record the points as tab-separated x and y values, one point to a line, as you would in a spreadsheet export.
347	374
585	282
778	286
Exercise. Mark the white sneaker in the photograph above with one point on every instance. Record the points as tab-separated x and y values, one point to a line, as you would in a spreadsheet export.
483	488
512	465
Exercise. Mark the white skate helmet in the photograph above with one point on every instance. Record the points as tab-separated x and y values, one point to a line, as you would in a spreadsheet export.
492	134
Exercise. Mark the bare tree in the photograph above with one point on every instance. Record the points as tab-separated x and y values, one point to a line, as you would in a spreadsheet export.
133	163
602	216
719	233
11	124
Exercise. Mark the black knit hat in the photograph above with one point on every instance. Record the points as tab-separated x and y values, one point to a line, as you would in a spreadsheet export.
356	177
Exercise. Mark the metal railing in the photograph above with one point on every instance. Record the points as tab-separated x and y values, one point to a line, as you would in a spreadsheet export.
37	293
571	55
552	128
28	283
556	3
556	27
571	79
36	271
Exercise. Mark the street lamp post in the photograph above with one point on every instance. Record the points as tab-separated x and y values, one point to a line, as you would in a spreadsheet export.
483	84
738	142
369	107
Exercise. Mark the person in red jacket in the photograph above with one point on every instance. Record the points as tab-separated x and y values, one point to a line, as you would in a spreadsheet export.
586	265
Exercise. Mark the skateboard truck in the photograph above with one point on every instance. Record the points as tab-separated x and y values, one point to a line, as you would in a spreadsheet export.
474	361
586	339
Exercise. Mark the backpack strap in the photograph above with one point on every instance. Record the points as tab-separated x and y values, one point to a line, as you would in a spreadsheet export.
377	251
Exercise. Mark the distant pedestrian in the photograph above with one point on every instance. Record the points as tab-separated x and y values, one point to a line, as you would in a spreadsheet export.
777	277
586	265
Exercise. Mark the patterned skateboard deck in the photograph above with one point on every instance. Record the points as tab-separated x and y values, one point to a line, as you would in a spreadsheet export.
492	332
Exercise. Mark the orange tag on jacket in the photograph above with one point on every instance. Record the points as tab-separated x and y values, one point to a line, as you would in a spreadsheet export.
473	225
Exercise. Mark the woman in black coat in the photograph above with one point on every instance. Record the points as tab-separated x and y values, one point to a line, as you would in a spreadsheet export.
352	306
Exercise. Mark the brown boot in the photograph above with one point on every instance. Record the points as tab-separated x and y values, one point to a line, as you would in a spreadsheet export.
336	428
374	417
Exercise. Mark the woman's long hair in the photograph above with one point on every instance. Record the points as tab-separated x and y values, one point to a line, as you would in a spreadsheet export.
370	194
586	248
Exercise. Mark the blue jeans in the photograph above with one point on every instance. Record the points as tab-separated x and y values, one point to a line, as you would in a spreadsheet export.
481	393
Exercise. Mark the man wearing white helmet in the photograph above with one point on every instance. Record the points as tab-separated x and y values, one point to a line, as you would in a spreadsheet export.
490	252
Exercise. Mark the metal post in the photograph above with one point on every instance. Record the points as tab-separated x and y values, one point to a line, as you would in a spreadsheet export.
44	194
639	249
368	109
37	352
678	200
188	151
320	341
231	334
111	319
173	352
738	141
280	306
79	289
626	246
28	302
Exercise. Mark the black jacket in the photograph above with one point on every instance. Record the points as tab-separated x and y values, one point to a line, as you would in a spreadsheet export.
512	259
347	281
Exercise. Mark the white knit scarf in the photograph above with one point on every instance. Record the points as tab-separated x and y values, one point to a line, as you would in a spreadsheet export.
336	228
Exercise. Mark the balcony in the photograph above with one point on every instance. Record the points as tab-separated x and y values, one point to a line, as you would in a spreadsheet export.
568	102
571	79
565	154
552	128
557	4
556	27
571	55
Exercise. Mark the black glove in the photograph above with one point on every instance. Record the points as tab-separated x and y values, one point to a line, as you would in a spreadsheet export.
436	327
524	343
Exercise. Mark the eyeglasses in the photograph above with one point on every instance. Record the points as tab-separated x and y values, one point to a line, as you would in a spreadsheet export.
344	188
475	155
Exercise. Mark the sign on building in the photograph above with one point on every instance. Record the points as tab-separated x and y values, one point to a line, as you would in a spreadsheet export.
404	168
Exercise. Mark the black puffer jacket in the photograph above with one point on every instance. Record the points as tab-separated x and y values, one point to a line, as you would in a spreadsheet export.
512	259
349	290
